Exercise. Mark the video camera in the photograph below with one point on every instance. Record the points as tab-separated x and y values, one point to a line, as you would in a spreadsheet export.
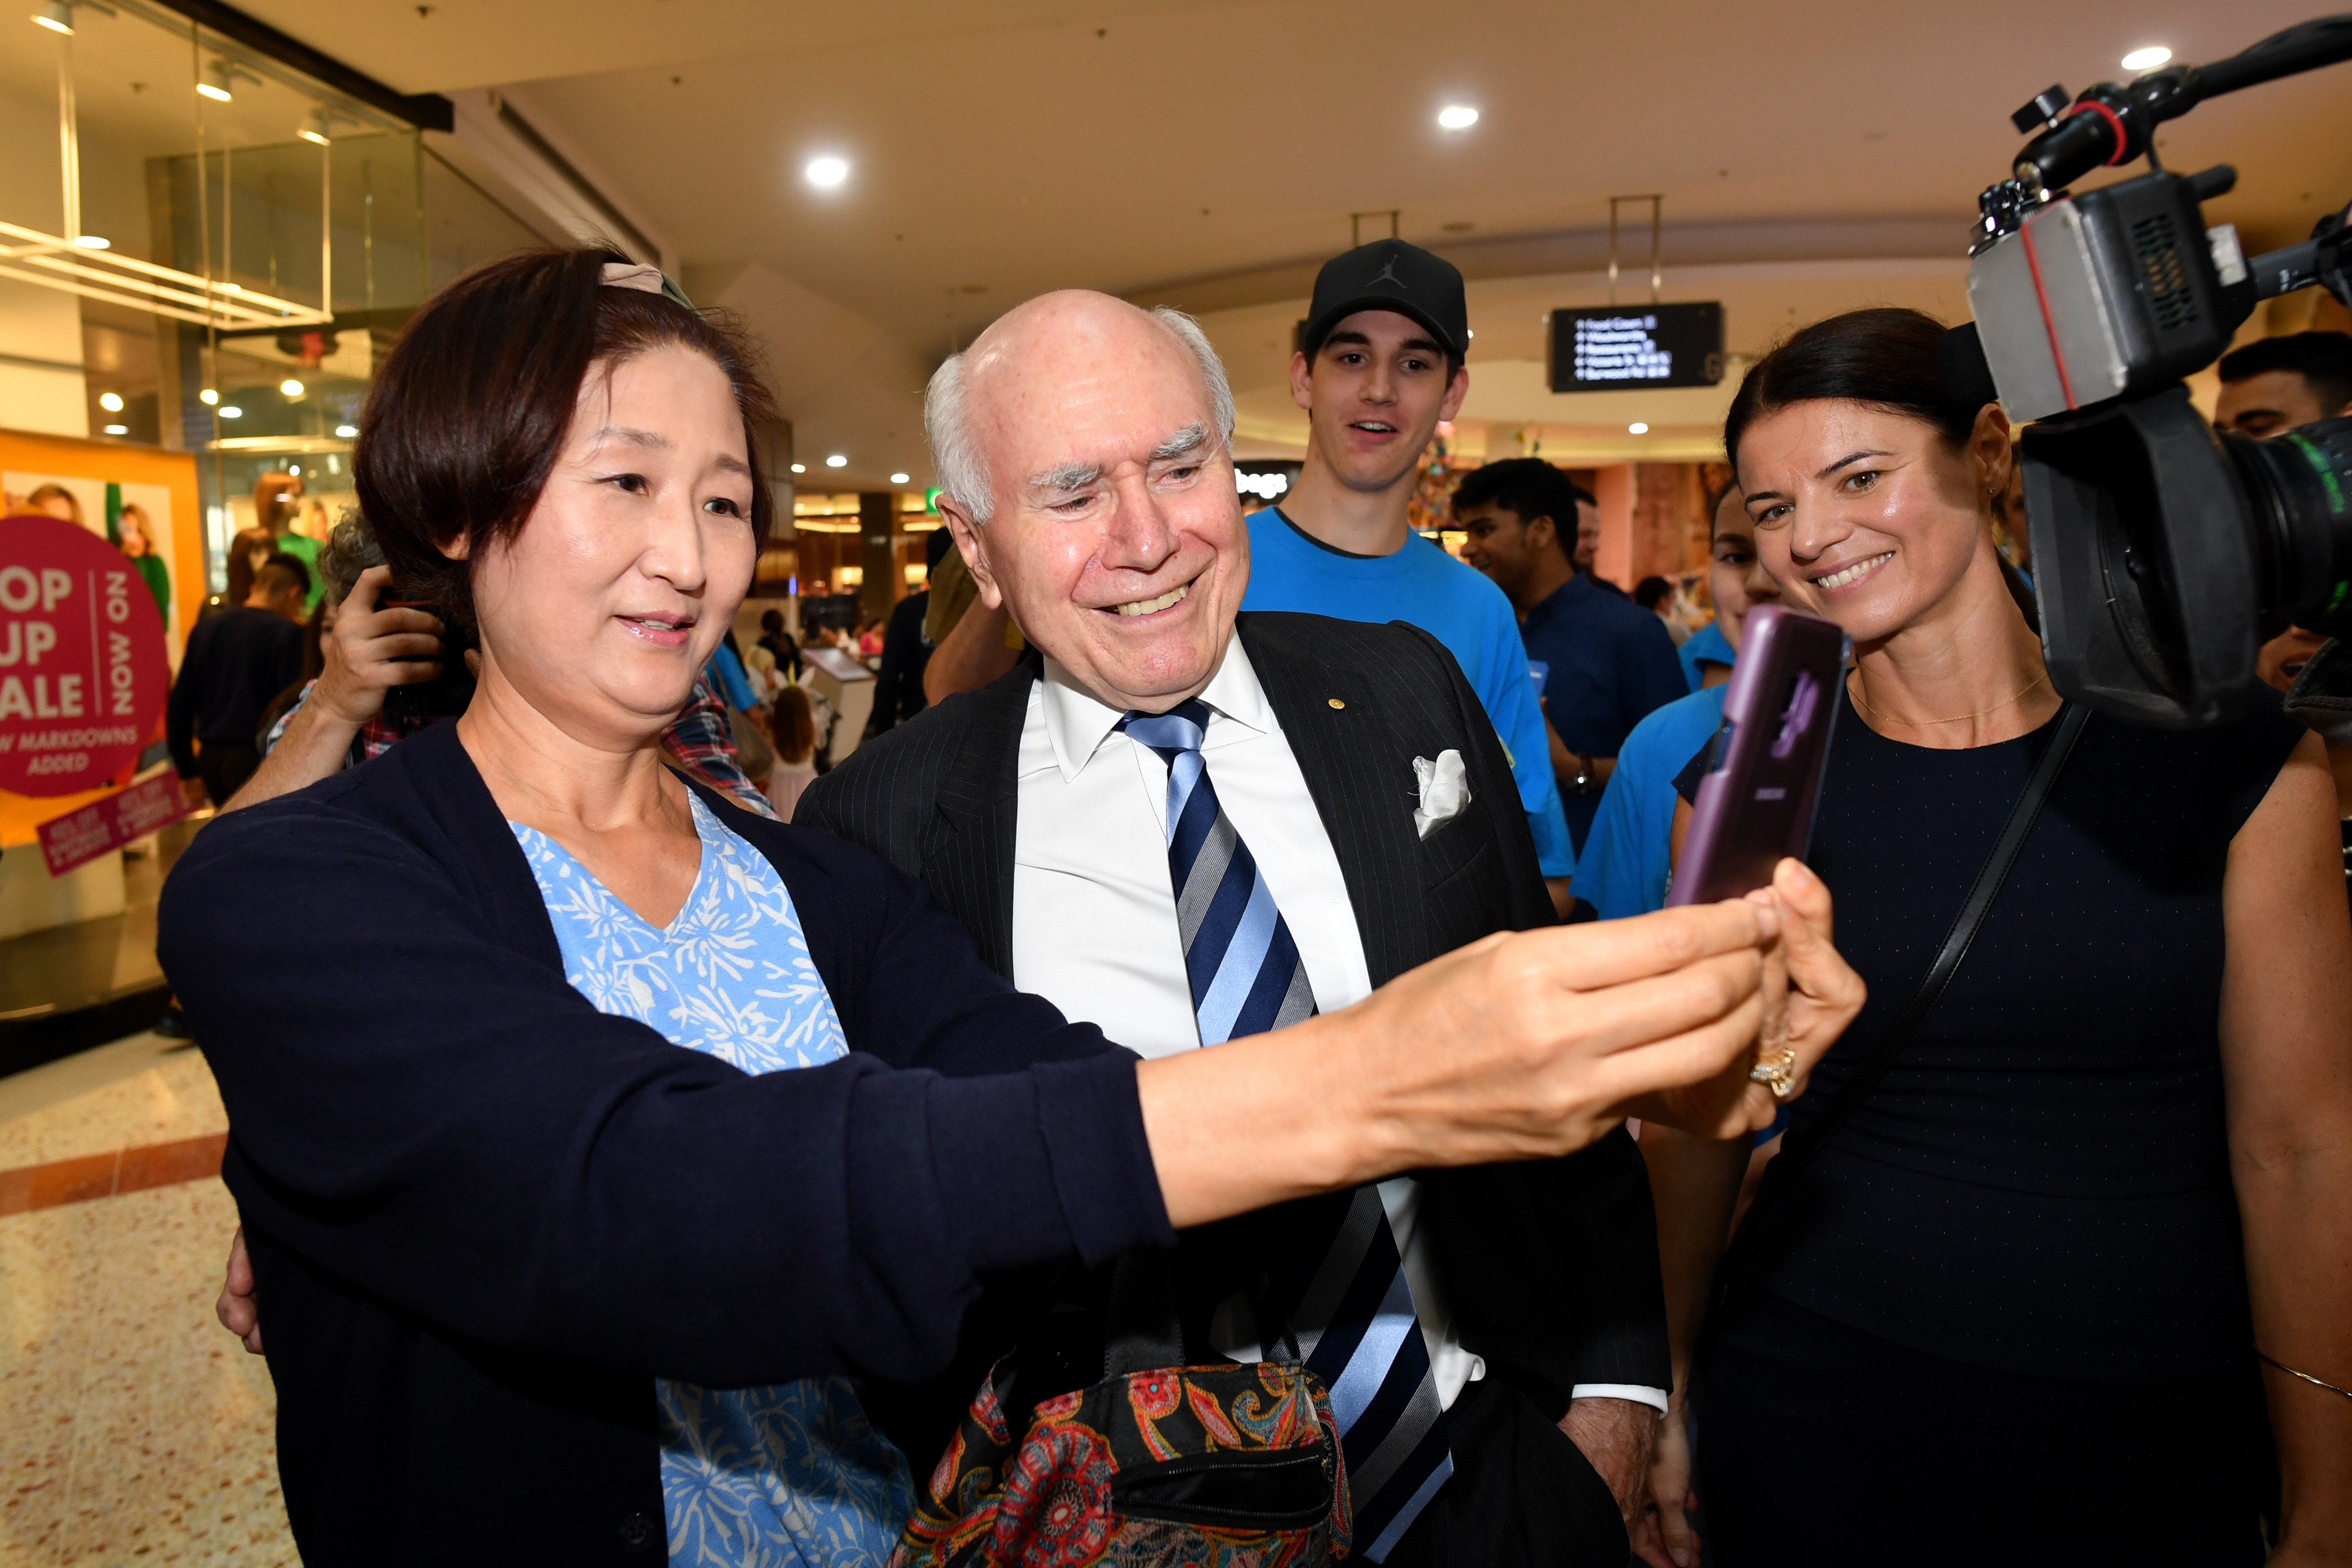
2165	553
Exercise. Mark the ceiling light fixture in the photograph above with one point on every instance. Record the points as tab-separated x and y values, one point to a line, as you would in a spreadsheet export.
111	402
291	387
837	461
828	172
209	397
93	242
1457	117
800	467
316	128
899	479
295	469
347	430
216	83
57	16
118	430
2146	59
1637	428
231	412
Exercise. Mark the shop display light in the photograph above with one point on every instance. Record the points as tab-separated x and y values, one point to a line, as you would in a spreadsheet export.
291	387
111	402
215	82
57	16
316	128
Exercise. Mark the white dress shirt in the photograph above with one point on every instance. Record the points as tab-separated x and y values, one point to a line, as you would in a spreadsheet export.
1093	916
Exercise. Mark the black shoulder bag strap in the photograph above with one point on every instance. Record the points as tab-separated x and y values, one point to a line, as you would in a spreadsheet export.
1801	1146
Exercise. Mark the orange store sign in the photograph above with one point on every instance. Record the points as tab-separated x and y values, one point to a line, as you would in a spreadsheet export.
83	675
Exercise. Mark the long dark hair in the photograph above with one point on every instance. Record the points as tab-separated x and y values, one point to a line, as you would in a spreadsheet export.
467	416
1884	357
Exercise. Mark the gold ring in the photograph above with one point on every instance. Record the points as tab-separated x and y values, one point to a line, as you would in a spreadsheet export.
1779	1074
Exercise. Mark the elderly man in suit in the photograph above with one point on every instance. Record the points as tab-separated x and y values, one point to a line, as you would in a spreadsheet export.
1186	826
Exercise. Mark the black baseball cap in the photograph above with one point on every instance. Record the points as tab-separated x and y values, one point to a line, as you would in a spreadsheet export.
1390	275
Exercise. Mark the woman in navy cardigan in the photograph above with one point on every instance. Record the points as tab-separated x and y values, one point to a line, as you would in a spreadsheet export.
544	1234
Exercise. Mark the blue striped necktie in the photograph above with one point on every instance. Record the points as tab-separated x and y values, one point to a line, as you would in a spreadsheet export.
1351	1310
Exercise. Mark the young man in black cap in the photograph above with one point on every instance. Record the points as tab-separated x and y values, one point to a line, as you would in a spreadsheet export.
1379	364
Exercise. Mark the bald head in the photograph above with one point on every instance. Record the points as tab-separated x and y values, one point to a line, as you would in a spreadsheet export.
1083	449
1034	355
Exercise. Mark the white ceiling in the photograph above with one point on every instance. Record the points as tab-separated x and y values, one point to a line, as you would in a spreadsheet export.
1209	154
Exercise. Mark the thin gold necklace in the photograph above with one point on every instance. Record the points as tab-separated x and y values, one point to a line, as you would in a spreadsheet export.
1862	685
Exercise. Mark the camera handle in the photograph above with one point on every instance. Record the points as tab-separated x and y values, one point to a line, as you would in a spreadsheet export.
2111	124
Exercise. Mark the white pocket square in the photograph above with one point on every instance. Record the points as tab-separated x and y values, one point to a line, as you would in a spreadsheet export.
1444	791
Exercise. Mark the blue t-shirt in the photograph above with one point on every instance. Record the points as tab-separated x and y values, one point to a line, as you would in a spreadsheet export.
1606	662
794	1475
1422	586
1622	870
727	672
1708	642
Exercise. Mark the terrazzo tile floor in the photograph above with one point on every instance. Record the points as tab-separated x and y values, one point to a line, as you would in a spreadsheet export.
134	1430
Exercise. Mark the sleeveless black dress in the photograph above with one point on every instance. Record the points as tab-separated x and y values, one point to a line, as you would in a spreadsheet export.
2002	1314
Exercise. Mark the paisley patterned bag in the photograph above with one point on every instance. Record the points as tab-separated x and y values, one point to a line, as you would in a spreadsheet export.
1156	1466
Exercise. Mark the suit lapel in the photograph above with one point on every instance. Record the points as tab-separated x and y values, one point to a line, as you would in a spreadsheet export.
1363	786
968	847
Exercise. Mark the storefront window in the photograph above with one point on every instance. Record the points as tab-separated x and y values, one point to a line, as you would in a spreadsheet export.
203	250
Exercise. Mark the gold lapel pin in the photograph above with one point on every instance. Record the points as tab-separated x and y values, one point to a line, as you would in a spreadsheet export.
1336	703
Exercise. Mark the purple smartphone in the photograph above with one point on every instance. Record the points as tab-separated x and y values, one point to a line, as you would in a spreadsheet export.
1755	803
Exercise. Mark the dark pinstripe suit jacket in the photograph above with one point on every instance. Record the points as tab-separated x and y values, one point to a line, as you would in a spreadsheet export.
1551	1267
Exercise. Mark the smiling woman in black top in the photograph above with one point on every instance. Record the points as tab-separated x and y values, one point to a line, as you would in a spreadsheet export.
2009	1312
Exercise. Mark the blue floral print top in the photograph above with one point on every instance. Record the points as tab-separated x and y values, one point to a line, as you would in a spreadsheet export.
791	1476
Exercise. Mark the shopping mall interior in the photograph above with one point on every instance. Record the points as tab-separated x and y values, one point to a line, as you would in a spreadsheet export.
215	222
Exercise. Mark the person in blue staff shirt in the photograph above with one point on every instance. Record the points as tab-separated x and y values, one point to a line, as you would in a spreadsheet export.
1379	365
1626	857
1600	661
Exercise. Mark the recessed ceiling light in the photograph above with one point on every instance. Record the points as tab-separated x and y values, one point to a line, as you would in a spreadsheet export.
231	412
1457	117
2146	59
800	467
1637	428
93	242
828	172
57	16
291	387
111	402
295	469
837	461
347	430
209	397
118	430
899	479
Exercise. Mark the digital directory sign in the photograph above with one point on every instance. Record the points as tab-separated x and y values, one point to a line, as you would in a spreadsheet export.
1618	348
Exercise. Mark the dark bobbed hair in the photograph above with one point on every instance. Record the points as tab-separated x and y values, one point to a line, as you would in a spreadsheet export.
281	572
1884	357
2322	359
1527	487
467	417
1650	590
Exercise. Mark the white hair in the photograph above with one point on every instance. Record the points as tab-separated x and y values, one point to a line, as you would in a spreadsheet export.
956	457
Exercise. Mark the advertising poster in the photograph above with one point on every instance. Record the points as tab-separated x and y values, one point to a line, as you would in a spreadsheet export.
135	543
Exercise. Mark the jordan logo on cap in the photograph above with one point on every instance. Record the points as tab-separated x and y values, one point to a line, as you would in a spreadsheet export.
1386	273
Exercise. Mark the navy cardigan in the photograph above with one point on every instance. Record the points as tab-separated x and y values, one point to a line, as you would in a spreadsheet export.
484	1216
